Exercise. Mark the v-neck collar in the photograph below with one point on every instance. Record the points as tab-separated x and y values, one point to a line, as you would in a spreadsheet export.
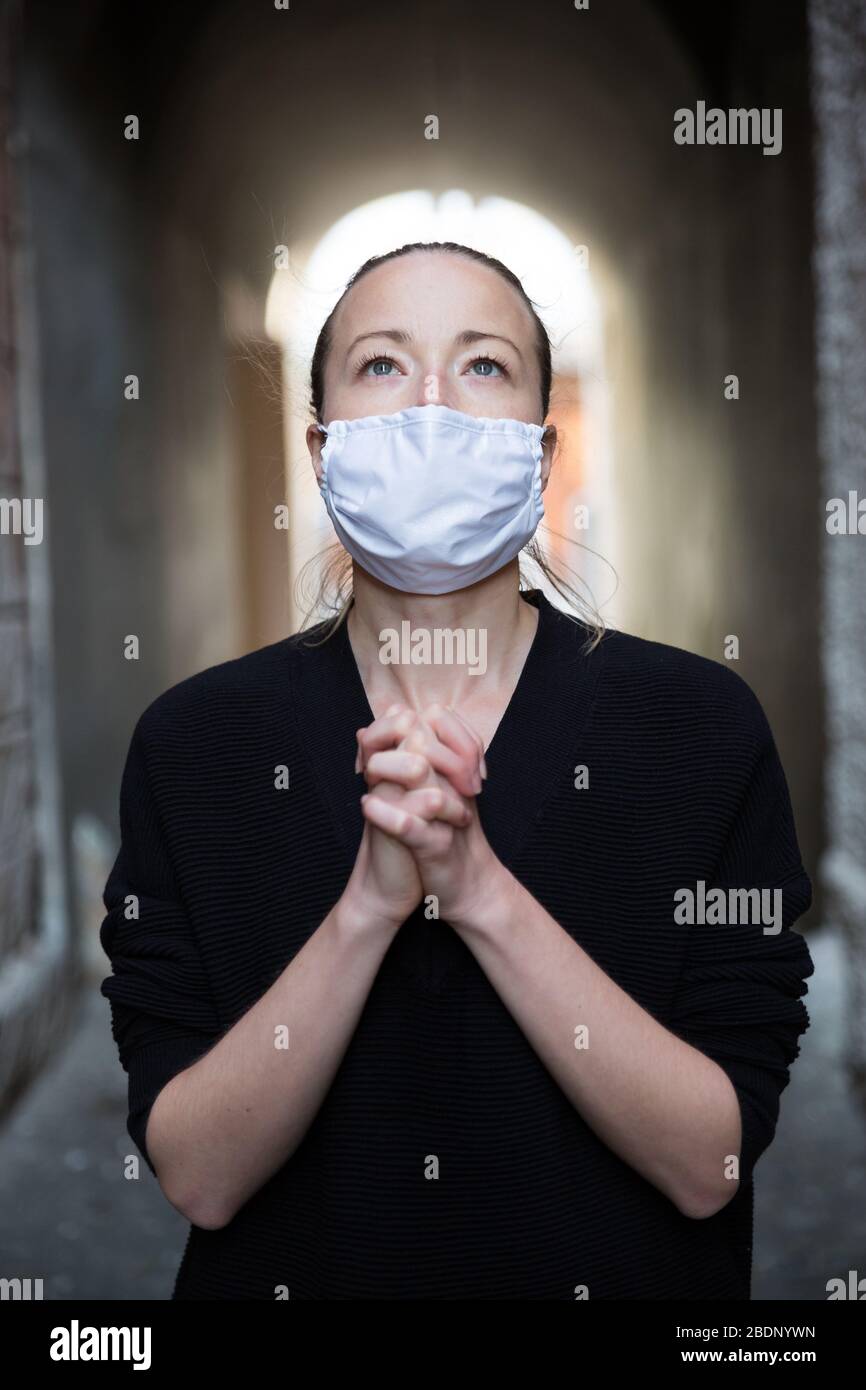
535	742
530	597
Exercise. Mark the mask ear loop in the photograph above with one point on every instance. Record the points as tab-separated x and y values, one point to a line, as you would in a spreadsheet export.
323	481
537	484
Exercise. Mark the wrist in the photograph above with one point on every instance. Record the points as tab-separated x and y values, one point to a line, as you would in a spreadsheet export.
491	906
358	913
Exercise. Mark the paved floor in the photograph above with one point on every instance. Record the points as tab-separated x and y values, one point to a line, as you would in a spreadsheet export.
68	1216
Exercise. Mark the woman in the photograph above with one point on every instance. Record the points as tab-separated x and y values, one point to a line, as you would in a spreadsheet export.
390	1035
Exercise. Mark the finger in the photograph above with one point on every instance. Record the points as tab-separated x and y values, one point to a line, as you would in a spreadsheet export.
438	803
419	835
482	764
385	732
396	775
397	765
394	819
453	729
461	772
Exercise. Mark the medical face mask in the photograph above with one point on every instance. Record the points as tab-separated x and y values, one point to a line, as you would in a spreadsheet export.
430	500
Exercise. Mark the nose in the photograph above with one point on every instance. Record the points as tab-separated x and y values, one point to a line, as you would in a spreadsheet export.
433	389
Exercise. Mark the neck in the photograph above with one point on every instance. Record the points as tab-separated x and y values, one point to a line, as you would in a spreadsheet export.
453	644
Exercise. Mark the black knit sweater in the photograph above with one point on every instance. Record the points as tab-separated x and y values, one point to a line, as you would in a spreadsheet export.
233	875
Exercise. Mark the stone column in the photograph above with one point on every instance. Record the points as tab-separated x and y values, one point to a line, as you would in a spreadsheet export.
838	34
37	974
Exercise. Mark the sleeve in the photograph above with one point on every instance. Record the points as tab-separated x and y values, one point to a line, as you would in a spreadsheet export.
163	1017
739	997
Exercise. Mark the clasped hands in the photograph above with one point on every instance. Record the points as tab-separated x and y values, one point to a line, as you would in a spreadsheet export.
422	831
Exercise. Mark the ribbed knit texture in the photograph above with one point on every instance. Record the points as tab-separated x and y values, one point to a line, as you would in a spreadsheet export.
233	876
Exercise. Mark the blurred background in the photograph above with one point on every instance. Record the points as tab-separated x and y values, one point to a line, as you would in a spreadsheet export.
185	191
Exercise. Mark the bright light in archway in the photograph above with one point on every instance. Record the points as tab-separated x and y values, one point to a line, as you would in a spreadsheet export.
549	267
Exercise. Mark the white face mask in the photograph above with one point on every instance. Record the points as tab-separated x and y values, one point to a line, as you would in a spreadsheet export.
430	500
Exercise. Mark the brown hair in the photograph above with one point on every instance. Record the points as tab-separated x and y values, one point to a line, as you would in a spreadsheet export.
332	590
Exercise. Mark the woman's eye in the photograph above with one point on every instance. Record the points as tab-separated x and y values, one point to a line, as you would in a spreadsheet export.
490	367
371	365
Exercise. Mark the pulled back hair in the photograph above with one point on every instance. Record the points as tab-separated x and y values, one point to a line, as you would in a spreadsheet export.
326	578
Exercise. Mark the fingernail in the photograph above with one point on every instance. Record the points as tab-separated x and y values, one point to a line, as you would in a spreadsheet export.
477	783
483	766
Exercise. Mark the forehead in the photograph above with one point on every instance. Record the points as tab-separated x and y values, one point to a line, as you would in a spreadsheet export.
436	293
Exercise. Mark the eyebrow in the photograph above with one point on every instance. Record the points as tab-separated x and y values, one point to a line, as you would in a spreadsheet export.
469	335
